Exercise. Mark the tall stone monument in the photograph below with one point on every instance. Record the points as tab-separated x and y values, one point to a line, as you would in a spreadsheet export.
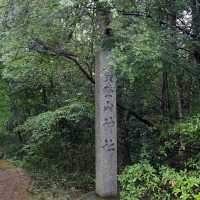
106	117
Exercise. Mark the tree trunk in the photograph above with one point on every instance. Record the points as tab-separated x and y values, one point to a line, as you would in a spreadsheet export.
124	157
165	106
196	29
172	23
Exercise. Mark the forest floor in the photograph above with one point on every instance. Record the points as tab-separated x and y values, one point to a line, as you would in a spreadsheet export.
16	185
13	182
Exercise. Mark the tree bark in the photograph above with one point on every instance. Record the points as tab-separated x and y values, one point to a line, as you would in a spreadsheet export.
196	29
124	157
165	106
172	22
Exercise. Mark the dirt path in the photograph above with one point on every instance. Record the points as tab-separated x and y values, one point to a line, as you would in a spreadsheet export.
13	183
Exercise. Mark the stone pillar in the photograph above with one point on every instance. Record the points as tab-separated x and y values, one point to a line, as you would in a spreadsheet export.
106	127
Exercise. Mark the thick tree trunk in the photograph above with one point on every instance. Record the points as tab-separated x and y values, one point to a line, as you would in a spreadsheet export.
165	106
172	23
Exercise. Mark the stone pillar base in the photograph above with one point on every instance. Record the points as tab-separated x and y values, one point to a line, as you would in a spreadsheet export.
93	196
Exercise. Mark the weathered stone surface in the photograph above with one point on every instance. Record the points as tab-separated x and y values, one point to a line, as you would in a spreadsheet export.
106	127
93	196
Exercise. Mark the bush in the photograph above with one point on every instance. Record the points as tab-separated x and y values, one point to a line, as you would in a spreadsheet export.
143	181
60	140
181	142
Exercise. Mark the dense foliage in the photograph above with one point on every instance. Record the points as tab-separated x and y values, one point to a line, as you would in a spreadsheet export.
143	181
58	139
47	72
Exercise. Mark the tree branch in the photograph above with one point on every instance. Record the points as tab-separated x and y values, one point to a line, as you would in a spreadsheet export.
138	14
41	47
144	121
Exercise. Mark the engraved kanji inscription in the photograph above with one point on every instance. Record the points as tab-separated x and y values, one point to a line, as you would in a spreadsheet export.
108	77
109	145
109	122
108	106
108	91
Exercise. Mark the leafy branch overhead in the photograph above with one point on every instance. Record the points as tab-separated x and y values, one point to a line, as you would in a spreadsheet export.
44	48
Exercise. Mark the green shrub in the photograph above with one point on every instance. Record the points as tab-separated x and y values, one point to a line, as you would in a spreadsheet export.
60	140
139	181
181	142
143	181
